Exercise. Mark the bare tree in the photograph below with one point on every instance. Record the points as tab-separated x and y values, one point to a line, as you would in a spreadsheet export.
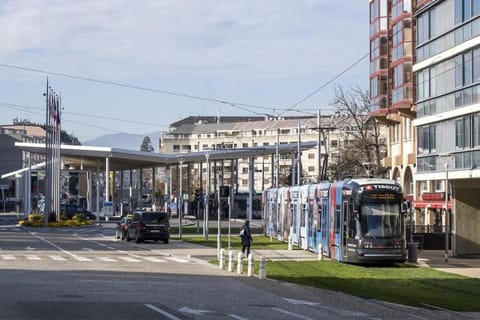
360	152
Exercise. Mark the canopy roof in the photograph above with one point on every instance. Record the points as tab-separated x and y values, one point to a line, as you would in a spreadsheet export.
93	158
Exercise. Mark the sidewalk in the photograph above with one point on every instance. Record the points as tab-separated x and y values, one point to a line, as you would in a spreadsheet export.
467	266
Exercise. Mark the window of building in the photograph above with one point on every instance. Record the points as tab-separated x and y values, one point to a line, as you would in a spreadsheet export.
285	131
311	156
426	140
176	148
476	130
244	170
244	145
463	134
311	169
334	143
245	182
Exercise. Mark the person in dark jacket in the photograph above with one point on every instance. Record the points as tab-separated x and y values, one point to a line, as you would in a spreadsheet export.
246	237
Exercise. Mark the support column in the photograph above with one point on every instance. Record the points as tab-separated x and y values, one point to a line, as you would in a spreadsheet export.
107	179
251	182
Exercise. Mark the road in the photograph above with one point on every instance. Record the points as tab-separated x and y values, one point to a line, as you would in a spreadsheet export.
86	273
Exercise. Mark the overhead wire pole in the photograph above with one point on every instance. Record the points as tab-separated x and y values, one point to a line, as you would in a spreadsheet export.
319	151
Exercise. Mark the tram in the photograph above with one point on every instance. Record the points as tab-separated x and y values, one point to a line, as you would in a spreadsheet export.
354	220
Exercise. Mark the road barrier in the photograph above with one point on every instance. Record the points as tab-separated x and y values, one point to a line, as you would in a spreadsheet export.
240	263
262	273
250	265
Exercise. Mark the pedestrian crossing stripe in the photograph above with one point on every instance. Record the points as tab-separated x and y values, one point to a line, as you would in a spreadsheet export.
57	258
135	259
33	257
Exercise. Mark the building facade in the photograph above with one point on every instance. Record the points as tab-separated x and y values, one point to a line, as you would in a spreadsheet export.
199	134
447	71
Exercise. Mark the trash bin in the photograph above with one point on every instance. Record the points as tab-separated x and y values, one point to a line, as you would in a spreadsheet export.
412	248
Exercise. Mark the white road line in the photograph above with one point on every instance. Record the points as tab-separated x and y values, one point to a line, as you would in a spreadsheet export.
129	259
153	259
33	257
177	259
293	314
57	258
8	257
106	259
81	258
163	312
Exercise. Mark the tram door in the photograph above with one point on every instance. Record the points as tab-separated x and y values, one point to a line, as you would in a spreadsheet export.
345	219
295	221
324	226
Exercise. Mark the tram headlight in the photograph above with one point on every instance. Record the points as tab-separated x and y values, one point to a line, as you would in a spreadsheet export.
367	244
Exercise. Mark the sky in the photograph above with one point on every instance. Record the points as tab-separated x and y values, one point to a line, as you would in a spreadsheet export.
123	66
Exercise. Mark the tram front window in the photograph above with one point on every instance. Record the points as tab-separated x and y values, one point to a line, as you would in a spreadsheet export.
380	220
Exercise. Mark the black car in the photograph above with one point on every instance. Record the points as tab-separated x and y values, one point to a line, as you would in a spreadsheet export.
72	209
149	225
122	227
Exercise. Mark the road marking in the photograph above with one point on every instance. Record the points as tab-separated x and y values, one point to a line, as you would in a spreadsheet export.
129	259
57	258
293	314
33	257
176	259
163	312
8	257
106	259
81	258
87	249
197	312
153	259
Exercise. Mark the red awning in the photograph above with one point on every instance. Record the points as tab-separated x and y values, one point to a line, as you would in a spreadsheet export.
431	204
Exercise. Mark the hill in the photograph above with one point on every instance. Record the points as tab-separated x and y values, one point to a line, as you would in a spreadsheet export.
127	141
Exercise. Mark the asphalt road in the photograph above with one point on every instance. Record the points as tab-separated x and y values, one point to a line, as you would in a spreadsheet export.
86	273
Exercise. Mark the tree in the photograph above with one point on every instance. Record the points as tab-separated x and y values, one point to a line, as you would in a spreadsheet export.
362	141
146	145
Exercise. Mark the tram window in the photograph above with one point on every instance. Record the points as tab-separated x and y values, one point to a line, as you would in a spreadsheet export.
338	221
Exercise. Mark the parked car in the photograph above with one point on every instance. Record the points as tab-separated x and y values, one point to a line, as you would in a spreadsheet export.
149	225
122	226
72	209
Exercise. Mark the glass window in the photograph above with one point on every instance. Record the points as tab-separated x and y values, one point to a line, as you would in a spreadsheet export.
458	71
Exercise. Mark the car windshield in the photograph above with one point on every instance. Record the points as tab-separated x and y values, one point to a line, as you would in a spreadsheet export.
381	220
154	217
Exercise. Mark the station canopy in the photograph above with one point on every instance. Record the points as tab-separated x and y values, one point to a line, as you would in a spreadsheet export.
78	157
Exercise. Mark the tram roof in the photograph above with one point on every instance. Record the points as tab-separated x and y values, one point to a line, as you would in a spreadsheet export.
93	157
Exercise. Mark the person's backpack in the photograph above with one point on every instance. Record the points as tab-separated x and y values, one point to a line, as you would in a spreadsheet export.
242	232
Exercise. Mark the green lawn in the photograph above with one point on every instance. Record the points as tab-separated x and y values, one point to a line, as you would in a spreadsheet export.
398	283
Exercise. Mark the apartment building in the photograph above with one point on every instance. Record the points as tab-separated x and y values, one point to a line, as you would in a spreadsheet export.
447	70
392	49
425	84
209	133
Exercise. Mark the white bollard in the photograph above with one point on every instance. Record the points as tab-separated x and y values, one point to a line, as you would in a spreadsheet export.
289	243
262	273
106	218
240	263
230	261
221	263
320	251
250	265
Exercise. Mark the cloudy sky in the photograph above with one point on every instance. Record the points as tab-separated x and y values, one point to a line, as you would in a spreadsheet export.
136	67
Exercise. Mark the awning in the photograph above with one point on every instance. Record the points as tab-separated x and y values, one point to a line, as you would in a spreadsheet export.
13	173
431	204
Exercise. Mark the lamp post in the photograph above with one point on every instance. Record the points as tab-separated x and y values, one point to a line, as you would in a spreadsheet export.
446	211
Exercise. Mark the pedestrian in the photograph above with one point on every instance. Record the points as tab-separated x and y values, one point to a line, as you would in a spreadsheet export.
246	237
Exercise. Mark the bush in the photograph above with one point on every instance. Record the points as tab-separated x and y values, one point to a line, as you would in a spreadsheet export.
36	220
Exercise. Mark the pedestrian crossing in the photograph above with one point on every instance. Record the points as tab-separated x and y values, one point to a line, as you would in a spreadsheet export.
58	258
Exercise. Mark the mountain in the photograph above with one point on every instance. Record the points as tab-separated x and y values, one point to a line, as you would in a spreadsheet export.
127	141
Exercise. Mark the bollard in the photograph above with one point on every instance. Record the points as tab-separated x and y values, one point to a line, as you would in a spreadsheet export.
320	251
106	218
221	263
262	274
240	263
250	265
230	261
289	243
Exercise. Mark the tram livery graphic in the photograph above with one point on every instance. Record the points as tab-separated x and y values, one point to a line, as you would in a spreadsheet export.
354	220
